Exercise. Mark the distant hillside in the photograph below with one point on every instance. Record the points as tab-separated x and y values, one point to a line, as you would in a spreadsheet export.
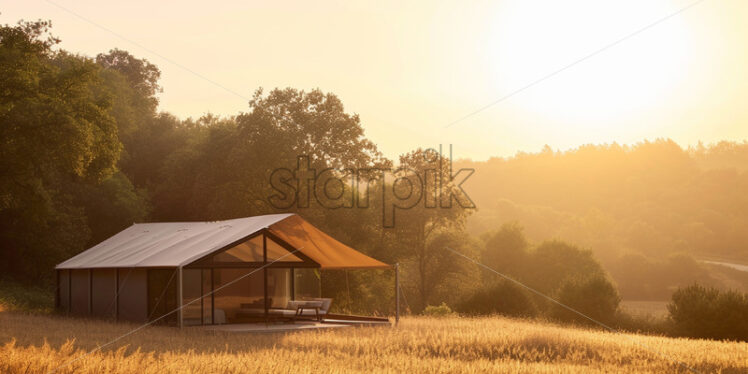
653	198
650	212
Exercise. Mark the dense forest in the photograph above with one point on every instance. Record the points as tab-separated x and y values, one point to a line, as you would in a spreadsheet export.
85	152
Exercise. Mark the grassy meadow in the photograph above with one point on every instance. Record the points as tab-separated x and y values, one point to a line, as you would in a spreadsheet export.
36	343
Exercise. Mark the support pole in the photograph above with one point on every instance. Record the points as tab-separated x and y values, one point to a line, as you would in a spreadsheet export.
116	294
265	275
202	299
213	297
397	293
57	290
293	284
70	291
180	312
90	292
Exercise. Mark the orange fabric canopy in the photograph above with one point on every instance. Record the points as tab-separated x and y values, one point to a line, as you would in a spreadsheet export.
320	247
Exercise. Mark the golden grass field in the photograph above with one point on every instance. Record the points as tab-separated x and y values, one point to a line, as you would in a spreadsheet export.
39	343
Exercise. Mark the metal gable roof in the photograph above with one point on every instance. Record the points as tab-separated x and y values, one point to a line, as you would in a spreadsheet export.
175	244
167	244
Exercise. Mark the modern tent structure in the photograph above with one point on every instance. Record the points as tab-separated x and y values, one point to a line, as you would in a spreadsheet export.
239	270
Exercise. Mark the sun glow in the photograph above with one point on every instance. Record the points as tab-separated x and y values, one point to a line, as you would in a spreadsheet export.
536	38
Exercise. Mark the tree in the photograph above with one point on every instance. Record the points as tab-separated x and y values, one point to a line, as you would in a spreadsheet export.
56	133
554	262
706	312
141	75
425	221
112	205
147	137
594	296
506	249
231	164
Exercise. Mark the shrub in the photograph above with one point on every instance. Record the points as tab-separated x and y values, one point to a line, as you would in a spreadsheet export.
442	310
553	262
502	298
16	296
639	323
506	249
595	297
705	312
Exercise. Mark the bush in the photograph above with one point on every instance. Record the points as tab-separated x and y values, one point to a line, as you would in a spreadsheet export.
502	298
442	310
639	324
506	249
705	312
554	262
16	296
595	297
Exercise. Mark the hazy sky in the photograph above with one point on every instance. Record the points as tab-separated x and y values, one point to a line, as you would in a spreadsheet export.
411	68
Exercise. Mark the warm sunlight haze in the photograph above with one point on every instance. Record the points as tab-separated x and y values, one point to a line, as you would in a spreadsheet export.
344	186
413	68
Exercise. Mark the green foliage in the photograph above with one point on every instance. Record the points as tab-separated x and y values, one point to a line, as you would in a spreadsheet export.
506	250
360	292
442	310
594	296
439	275
62	117
112	205
706	312
553	262
555	268
18	297
225	172
57	134
424	232
502	297
141	75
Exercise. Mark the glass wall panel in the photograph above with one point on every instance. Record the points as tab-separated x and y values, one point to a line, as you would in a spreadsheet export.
241	301
249	251
162	295
279	287
306	283
207	300
191	292
277	252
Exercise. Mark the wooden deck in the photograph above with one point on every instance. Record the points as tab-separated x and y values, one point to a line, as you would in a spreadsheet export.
334	322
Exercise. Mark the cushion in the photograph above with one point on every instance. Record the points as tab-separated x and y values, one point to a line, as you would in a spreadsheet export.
326	301
294	304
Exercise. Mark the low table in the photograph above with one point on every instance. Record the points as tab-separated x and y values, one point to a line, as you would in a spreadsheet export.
302	305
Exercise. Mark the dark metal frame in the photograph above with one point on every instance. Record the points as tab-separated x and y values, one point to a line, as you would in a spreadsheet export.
202	263
205	262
